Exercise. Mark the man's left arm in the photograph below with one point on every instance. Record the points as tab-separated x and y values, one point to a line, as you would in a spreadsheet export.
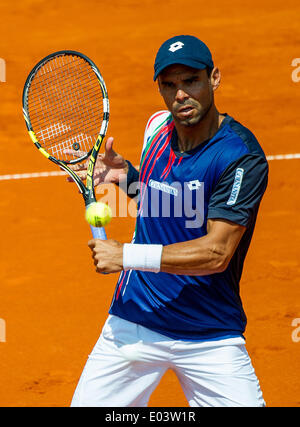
206	255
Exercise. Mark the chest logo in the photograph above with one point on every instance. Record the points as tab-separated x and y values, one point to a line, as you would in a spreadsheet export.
163	187
194	185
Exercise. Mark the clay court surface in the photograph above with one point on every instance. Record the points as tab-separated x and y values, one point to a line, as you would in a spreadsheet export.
52	302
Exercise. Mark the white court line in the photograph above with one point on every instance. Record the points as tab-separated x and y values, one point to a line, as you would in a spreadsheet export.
30	175
60	173
284	156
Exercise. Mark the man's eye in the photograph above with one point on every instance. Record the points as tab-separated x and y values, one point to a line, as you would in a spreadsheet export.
191	80
168	84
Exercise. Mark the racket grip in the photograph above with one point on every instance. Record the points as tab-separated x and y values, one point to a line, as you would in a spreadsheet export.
98	233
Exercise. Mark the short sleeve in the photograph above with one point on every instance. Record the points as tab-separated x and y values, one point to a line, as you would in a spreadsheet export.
154	123
131	185
238	193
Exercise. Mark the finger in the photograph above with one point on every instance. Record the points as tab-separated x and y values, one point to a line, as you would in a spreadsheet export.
109	144
91	244
82	175
100	163
79	166
74	153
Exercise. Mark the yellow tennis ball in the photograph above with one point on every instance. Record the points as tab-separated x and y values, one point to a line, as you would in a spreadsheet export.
98	214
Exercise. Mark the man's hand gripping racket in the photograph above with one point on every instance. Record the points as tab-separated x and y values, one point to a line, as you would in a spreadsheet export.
66	110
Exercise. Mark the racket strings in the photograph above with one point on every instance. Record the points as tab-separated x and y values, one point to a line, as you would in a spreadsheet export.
68	115
43	76
45	73
35	111
65	104
48	133
63	80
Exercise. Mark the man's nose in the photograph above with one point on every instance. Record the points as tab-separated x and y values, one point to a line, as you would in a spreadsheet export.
181	95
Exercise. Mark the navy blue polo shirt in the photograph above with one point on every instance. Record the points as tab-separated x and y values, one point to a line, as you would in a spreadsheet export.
225	177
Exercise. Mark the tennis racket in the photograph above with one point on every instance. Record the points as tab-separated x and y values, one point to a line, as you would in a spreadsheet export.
66	108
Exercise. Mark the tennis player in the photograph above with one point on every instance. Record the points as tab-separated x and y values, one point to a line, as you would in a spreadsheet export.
177	302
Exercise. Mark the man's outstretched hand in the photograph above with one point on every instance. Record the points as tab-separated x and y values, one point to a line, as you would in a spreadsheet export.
110	166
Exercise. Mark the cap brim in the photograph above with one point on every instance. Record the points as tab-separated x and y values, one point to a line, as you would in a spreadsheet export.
184	61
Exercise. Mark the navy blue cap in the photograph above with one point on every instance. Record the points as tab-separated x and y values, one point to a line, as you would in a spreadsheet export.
186	50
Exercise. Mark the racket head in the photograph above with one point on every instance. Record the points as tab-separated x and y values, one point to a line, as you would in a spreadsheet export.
66	106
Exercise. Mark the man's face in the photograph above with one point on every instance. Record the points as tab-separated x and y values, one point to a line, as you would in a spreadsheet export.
187	92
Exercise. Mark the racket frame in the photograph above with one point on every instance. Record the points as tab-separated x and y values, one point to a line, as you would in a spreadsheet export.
88	189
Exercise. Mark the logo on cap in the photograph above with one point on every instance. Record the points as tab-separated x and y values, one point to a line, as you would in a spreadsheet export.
176	46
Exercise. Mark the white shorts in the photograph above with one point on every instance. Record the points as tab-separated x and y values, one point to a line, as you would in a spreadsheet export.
129	360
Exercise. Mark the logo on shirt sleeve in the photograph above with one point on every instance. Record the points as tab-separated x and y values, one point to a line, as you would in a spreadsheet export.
236	187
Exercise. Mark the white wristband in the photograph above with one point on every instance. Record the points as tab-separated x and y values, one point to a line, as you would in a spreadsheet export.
142	257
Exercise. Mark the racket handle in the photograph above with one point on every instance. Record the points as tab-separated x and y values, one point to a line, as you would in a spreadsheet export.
99	233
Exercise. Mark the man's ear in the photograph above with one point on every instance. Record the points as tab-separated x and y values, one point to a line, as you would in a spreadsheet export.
215	78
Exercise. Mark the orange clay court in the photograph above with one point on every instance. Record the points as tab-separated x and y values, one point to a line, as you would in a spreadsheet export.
52	303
